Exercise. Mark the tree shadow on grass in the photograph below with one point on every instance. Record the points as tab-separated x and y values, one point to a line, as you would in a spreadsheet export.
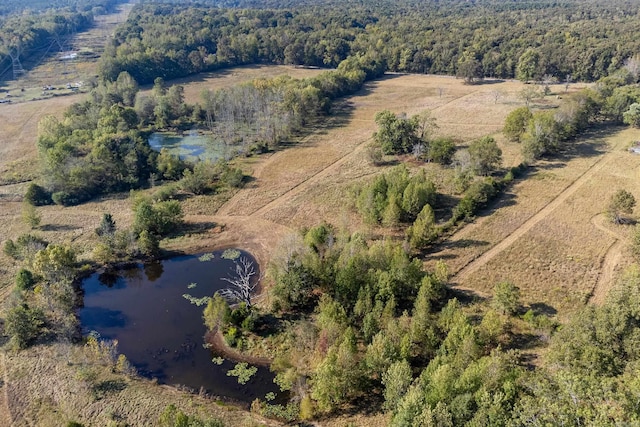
59	227
464	296
104	388
195	227
541	308
591	143
463	243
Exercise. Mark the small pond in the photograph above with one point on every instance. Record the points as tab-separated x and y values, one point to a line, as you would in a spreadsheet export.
159	330
192	146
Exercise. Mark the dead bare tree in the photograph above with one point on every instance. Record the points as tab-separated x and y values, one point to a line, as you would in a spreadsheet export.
496	94
242	283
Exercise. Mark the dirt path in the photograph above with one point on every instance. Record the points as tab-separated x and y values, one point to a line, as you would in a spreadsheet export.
312	180
465	272
308	181
609	263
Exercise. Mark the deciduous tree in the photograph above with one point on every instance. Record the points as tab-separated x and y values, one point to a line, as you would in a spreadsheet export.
621	203
485	154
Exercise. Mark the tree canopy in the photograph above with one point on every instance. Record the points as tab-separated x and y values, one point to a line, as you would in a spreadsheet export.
569	40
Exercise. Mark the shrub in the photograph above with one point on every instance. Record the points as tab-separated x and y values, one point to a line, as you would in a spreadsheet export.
23	325
157	218
506	298
232	177
25	247
476	196
485	154
37	195
622	202
231	336
165	192
148	243
173	417
293	287
11	249
64	198
424	229
25	279
441	150
635	242
516	123
107	227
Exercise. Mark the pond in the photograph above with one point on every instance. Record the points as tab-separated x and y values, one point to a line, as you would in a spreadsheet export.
192	146
159	330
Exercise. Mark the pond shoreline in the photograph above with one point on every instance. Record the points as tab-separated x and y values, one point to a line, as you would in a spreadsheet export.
165	339
216	342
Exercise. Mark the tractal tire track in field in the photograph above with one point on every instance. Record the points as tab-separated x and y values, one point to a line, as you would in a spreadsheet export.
302	185
463	274
611	260
299	187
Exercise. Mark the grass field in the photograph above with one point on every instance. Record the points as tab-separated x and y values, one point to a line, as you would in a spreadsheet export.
546	234
195	85
549	235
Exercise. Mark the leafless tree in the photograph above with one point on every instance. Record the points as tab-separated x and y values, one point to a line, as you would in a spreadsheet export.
567	82
496	94
528	94
418	150
426	125
242	283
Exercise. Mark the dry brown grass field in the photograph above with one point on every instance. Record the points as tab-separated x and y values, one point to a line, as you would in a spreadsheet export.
546	234
549	235
195	85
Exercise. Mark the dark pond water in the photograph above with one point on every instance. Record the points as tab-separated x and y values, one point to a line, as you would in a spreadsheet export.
159	330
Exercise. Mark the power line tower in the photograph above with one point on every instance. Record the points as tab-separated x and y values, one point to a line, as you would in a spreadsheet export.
18	71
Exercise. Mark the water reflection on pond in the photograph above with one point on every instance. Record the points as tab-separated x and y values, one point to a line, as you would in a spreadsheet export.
193	146
159	330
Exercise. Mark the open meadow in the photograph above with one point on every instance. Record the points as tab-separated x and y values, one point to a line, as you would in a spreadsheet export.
546	234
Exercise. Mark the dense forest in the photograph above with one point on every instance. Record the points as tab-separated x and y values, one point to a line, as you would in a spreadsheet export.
29	32
9	7
572	40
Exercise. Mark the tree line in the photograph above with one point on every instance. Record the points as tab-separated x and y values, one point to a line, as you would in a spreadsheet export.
571	40
98	7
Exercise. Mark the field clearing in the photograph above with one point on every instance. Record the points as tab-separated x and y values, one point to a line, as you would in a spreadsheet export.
195	85
310	181
18	151
44	392
557	216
